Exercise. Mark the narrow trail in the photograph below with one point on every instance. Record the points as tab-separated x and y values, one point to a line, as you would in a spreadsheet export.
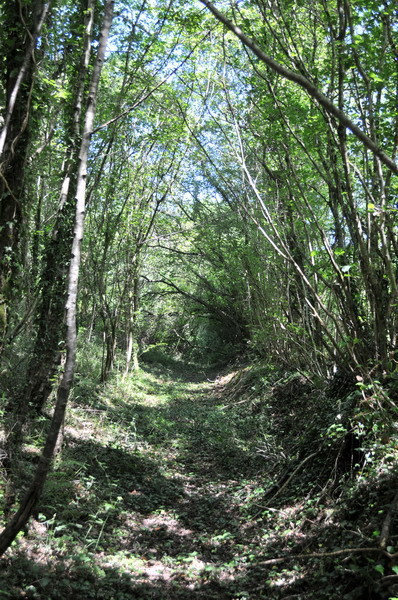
182	474
160	493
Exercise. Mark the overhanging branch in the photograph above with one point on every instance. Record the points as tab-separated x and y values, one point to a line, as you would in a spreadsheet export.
307	85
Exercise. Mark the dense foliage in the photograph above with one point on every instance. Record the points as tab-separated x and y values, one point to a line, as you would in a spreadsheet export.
212	193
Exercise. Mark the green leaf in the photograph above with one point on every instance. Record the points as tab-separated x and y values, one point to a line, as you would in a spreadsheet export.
379	569
375	77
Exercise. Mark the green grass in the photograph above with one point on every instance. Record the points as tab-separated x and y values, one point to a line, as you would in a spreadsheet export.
161	492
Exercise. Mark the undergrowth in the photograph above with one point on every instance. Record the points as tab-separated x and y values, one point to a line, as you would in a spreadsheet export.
174	483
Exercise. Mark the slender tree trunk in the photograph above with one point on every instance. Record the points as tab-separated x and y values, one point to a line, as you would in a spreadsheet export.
32	496
110	344
24	69
46	354
132	341
14	137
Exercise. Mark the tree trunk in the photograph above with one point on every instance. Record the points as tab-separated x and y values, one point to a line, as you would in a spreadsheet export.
14	137
132	341
110	344
47	352
33	494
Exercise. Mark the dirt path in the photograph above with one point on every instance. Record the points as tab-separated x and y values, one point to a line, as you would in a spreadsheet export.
159	495
184	484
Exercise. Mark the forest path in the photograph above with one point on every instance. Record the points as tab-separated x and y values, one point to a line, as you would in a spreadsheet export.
181	472
185	474
157	495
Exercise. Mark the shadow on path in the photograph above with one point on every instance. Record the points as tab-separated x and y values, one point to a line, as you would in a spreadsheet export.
157	508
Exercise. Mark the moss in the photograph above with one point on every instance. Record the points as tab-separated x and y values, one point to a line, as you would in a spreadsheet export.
3	317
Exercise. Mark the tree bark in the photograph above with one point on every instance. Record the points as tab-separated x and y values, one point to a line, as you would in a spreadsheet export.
47	352
32	496
133	307
14	137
